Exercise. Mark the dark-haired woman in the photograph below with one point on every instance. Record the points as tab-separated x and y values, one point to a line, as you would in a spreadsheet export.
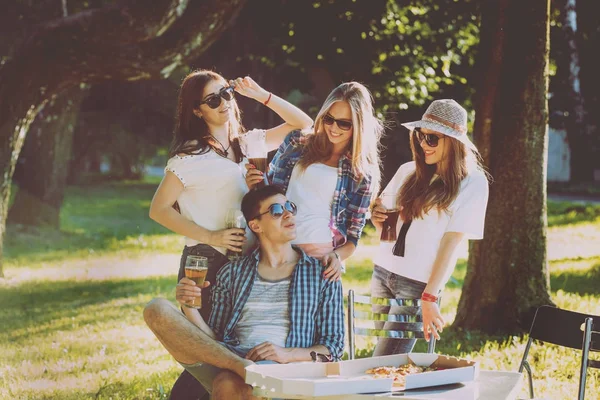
205	172
442	197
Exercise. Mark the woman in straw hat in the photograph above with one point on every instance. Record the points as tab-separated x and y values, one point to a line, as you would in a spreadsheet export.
442	197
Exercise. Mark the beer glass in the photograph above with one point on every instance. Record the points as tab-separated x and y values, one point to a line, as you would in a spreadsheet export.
234	219
196	268
256	151
388	230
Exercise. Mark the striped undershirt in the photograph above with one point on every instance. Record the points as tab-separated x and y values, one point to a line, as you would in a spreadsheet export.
265	316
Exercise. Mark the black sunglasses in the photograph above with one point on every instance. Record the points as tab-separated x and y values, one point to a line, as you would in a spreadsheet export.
214	100
320	357
431	139
342	124
276	210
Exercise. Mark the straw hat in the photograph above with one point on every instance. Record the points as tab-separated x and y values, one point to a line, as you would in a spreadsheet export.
445	116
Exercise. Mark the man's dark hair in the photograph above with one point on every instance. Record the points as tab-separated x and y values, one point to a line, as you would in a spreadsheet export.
252	200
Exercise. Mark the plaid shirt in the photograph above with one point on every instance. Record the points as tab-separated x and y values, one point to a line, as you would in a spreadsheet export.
352	194
315	304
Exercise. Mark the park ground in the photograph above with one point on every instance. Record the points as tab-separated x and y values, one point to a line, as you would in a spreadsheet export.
71	315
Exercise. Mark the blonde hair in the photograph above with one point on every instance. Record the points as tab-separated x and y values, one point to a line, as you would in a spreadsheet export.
366	133
419	194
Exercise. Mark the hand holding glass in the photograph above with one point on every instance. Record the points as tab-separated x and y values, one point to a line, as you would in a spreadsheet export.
256	151
196	268
234	219
388	230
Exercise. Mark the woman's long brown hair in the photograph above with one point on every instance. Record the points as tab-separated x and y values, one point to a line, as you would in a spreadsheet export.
191	134
419	194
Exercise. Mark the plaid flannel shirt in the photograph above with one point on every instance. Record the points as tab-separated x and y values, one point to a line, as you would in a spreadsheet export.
315	304
352	194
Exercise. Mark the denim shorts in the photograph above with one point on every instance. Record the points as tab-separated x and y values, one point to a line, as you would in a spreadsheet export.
215	261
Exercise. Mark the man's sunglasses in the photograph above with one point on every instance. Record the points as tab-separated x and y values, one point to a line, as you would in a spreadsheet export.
214	100
320	357
342	124
431	139
276	210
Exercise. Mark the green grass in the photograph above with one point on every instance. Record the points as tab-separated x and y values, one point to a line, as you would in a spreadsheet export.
71	315
101	219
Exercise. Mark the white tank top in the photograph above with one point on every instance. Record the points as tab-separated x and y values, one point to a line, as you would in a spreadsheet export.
312	190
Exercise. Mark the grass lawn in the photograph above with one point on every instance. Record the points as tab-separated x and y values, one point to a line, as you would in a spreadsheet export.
71	316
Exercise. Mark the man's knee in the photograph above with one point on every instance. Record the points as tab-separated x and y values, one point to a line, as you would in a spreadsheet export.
228	384
155	310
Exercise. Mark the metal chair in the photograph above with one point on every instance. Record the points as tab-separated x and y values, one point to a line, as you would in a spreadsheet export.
568	329
403	325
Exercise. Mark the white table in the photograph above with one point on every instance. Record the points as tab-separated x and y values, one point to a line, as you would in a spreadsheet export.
491	385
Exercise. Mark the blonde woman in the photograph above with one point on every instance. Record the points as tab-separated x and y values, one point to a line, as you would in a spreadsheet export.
331	175
442	197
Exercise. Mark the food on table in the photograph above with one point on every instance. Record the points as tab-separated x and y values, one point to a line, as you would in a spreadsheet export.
398	373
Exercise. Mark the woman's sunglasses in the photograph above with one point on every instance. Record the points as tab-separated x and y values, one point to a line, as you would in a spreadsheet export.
342	124
431	139
276	210
214	100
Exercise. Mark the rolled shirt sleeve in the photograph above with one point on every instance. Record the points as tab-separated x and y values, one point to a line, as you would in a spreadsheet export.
330	321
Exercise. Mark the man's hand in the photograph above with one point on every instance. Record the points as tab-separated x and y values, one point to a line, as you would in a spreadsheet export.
186	291
269	351
433	322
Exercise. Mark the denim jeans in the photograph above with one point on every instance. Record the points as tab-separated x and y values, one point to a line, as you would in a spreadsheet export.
388	285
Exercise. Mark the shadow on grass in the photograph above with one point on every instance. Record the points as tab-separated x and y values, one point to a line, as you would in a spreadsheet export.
92	219
585	282
47	307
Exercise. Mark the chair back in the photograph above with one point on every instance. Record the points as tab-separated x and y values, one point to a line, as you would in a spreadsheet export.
562	327
568	329
406	323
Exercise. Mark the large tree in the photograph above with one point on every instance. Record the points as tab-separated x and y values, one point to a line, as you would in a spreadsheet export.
44	160
98	40
507	276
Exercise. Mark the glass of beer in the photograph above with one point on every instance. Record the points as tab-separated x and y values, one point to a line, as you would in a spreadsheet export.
388	231
256	151
196	268
234	219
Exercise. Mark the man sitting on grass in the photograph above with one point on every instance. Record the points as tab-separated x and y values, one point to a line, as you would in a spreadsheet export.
270	306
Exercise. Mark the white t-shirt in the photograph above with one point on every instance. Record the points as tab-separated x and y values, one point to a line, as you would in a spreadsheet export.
212	185
466	215
312	190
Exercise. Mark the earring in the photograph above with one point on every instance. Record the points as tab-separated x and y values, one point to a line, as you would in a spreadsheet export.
198	115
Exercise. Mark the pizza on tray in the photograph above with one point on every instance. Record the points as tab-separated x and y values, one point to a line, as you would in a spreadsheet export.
398	373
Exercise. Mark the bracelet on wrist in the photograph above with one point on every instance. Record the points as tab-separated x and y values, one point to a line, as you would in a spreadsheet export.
429	297
268	99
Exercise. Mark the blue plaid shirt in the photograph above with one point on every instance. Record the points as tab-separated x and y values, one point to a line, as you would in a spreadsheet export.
352	194
315	304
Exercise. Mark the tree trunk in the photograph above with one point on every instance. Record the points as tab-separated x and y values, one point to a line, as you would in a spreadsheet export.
507	276
46	155
582	168
128	40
